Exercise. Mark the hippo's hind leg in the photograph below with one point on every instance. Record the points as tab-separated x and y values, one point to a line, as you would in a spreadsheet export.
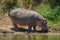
14	24
15	27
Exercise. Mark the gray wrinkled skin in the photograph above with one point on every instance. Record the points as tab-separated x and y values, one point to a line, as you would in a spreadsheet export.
27	17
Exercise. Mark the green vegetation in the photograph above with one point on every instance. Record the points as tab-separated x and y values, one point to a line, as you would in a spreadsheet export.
52	15
50	9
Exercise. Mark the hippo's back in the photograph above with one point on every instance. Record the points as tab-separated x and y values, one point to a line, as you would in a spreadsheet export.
20	12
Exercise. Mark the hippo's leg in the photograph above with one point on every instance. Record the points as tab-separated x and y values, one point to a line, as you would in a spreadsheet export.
15	25
29	28
14	22
34	28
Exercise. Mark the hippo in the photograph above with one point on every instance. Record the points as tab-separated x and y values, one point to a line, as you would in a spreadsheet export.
30	18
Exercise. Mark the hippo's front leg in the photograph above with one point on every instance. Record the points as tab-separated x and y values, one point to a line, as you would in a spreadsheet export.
34	28
29	28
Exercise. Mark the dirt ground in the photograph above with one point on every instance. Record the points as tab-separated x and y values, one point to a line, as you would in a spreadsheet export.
6	25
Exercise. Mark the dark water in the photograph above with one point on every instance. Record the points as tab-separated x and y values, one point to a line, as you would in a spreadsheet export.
28	37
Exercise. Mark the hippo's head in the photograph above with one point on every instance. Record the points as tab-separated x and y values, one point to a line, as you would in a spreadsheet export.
44	26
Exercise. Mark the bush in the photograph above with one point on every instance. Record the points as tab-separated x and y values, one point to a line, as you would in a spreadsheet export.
52	15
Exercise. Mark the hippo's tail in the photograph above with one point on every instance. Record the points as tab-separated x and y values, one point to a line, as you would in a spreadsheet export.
8	12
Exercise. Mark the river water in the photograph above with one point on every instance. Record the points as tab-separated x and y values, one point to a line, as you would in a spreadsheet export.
29	37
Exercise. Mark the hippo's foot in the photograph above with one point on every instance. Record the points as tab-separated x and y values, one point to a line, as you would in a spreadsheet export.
34	31
15	27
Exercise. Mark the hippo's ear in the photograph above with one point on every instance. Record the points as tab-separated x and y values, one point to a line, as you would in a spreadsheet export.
45	21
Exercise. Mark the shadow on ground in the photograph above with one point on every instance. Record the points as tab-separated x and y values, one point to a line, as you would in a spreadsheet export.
23	30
